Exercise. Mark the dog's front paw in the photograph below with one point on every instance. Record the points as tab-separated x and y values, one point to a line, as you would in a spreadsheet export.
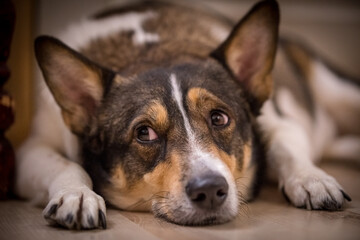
76	208
314	189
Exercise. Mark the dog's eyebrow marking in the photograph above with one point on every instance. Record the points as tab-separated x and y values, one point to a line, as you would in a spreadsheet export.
158	113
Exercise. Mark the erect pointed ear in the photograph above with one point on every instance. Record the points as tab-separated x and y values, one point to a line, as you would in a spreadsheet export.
77	84
250	49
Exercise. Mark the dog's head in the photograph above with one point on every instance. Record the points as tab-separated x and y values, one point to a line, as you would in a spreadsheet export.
177	140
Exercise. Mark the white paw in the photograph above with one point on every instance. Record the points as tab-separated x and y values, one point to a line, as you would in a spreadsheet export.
314	189
76	208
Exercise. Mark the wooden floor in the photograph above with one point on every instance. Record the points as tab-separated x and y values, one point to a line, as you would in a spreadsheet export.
269	217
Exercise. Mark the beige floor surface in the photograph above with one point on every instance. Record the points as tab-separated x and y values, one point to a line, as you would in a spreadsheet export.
268	217
332	27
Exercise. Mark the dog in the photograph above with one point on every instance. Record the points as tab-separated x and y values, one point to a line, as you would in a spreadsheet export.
164	108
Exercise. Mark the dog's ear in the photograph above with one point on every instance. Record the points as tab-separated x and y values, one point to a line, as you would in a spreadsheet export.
76	83
250	49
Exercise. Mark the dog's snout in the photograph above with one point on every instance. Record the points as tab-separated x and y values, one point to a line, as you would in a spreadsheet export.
207	192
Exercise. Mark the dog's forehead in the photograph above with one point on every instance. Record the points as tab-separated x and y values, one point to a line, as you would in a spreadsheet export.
156	83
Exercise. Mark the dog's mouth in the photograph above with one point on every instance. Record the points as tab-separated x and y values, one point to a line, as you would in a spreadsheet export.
182	211
212	220
183	215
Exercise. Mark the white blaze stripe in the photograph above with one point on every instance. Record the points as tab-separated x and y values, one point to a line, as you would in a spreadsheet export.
179	98
198	156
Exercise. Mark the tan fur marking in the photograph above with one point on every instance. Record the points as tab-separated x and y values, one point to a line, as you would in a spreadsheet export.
166	175
198	95
118	178
120	80
229	160
244	174
246	156
199	98
243	181
158	114
154	185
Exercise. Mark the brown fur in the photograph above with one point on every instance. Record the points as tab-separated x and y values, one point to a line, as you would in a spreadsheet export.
193	41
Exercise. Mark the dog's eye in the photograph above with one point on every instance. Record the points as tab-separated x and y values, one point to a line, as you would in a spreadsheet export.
219	118
145	134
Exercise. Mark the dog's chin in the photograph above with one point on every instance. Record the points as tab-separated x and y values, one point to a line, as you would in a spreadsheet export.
188	215
212	219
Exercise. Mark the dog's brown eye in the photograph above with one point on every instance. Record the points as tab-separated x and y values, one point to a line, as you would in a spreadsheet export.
219	119
146	134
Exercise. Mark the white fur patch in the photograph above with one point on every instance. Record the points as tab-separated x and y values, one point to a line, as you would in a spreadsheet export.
179	101
289	143
81	34
331	86
319	131
219	33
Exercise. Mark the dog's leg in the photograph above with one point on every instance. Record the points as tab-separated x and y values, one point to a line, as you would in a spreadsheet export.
336	92
291	156
43	174
346	147
340	96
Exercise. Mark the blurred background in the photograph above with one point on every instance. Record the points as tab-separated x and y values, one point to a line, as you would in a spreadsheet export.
332	27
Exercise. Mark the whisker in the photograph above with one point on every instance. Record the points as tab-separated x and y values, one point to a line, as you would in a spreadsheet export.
144	201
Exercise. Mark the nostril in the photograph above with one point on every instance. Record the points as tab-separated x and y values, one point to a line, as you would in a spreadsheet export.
221	193
200	197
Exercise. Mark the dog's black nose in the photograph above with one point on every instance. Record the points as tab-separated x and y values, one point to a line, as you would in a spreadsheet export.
207	192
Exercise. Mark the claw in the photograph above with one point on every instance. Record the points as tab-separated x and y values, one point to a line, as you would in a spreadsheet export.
346	196
91	221
69	218
102	219
285	195
330	205
51	211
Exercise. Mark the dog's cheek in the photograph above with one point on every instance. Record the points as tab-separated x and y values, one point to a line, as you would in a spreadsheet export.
146	154
245	173
239	163
246	157
166	176
166	185
118	179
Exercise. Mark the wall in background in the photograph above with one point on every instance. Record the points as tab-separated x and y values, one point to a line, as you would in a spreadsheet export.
21	66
